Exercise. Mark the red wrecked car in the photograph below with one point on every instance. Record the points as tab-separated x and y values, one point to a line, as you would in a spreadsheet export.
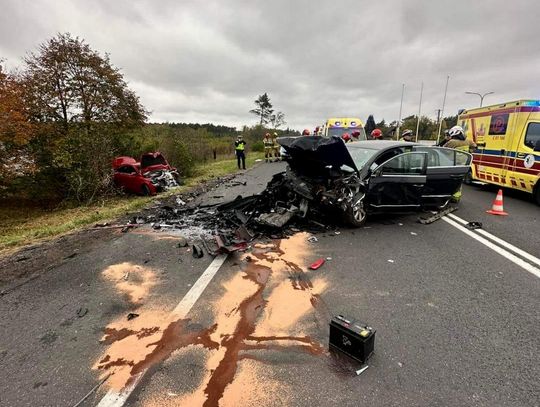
151	175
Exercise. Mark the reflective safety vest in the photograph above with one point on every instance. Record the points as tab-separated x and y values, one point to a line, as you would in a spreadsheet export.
268	143
240	145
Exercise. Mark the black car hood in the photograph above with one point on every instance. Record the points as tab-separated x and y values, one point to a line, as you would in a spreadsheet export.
315	152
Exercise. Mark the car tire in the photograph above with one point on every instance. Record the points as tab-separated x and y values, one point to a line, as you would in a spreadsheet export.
537	193
145	190
356	215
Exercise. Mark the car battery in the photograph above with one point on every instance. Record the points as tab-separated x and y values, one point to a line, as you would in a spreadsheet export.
354	338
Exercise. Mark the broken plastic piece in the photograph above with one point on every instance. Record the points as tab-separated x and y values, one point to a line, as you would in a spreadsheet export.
312	239
362	370
131	316
81	312
474	225
315	265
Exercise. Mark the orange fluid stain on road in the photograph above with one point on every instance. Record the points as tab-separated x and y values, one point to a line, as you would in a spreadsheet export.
132	280
259	311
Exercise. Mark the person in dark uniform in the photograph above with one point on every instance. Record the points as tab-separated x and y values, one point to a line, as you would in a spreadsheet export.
240	148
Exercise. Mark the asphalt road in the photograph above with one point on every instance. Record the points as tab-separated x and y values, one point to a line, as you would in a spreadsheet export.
457	322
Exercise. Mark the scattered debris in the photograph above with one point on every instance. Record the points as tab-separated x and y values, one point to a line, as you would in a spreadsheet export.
337	232
328	259
126	276
197	252
361	370
317	264
474	225
131	316
180	202
102	225
390	261
312	239
436	216
182	242
414	233
72	255
81	312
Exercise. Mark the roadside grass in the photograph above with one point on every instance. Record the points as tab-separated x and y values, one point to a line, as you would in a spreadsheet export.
21	226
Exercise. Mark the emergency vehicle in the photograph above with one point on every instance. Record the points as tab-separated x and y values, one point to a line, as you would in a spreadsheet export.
508	144
336	126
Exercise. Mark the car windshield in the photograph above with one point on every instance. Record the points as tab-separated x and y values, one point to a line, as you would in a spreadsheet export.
149	160
361	155
338	131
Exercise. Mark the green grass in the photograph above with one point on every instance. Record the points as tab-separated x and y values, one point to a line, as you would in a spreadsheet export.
27	225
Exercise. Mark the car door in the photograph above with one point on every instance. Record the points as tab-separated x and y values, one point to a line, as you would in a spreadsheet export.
126	177
397	184
446	169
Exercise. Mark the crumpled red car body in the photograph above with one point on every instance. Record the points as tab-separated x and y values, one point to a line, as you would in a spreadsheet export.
145	177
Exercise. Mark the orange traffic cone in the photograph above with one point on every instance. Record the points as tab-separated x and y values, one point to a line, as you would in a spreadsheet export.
497	207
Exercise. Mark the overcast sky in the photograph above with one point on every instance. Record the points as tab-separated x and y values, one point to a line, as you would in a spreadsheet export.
207	61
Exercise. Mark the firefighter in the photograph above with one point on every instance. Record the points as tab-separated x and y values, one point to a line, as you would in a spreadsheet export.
458	141
355	135
346	137
276	146
306	132
268	147
445	140
240	147
407	135
376	134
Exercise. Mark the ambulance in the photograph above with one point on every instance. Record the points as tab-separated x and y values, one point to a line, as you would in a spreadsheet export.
508	144
336	126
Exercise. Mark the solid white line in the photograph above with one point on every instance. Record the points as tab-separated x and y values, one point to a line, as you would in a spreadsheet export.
115	398
516	260
499	241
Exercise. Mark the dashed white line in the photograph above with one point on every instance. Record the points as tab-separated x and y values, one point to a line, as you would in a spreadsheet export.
498	249
115	398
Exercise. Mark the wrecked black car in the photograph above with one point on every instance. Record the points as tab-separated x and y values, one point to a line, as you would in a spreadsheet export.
365	177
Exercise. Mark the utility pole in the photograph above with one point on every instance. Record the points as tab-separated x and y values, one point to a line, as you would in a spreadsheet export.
400	109
419	111
438	115
442	110
481	96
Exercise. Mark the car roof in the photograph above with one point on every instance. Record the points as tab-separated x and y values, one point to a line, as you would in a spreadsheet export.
379	144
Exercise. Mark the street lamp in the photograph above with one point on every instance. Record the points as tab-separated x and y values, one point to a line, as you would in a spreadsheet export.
481	96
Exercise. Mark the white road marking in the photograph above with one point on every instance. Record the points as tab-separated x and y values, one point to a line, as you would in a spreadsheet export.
513	258
115	398
500	241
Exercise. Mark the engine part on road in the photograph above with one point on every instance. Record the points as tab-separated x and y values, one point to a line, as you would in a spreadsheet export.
354	338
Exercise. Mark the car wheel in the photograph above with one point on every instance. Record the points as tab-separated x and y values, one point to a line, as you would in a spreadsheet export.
355	214
145	190
537	193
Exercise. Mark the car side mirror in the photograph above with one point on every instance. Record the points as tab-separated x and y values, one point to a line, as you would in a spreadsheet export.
537	146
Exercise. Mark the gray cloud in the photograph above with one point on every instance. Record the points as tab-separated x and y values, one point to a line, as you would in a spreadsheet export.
207	61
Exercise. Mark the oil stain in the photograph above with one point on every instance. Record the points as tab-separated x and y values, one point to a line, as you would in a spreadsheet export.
240	328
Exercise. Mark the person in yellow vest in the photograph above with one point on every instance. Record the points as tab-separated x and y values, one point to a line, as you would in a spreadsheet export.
268	147
240	148
458	141
276	147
